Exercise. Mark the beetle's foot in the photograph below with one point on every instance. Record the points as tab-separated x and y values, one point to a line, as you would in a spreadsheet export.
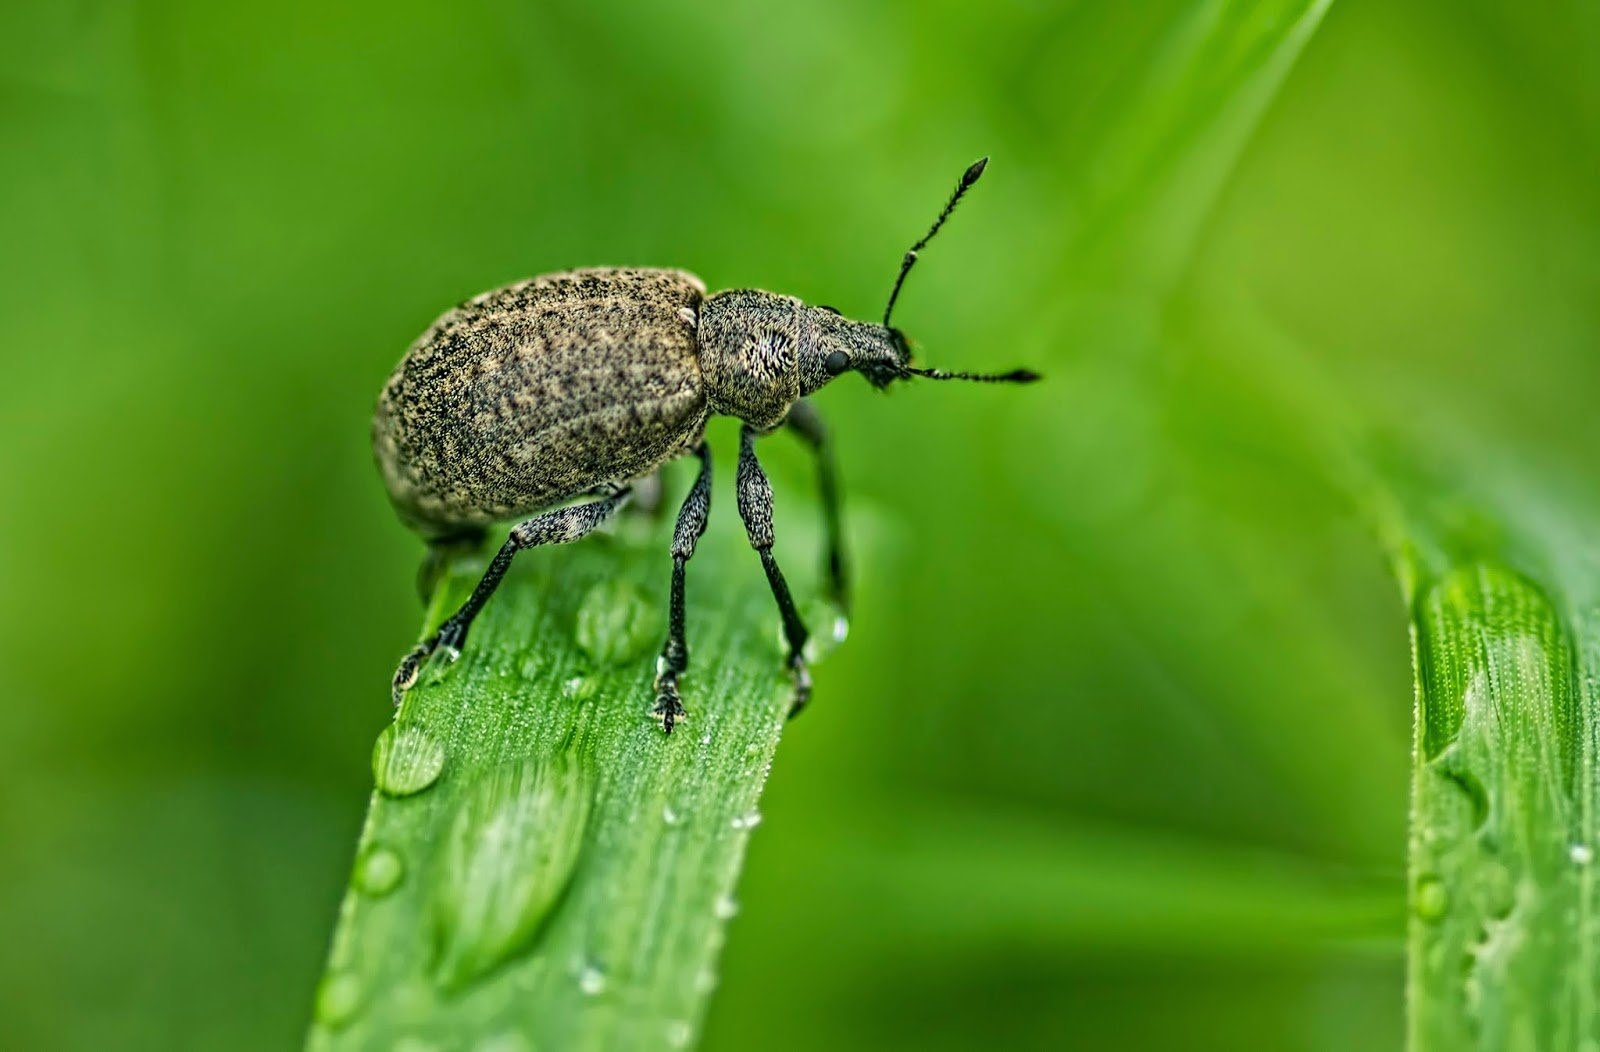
802	684
406	674
447	642
669	707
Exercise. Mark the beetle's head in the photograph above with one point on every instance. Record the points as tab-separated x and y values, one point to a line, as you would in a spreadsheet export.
881	352
839	345
760	351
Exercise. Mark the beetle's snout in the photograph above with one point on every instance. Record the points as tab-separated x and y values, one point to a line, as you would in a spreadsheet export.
889	365
897	340
877	352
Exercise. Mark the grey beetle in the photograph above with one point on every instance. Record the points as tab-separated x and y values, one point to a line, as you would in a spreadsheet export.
583	382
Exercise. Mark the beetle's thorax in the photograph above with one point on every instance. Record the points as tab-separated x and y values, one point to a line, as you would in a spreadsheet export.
749	349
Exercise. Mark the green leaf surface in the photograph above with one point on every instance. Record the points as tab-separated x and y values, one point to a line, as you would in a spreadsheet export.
541	867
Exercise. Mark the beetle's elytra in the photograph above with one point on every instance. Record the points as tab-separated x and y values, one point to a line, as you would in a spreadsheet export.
580	383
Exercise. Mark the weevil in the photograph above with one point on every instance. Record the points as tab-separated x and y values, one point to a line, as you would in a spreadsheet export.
582	383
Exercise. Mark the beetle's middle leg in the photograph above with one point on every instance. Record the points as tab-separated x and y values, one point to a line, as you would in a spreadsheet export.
675	654
755	508
553	527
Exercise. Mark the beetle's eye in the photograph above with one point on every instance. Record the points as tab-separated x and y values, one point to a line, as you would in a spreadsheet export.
830	310
836	363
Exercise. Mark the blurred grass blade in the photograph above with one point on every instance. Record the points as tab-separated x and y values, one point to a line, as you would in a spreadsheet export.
540	867
955	879
1504	592
1164	144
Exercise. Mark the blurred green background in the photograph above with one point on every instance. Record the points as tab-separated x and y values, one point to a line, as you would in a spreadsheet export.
1117	754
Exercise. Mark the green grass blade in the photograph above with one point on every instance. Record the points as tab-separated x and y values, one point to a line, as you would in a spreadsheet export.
541	867
1504	591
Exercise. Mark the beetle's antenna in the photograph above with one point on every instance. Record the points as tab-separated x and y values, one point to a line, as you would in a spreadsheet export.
969	177
1015	376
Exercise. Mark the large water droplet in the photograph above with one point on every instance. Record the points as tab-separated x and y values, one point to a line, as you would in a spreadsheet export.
579	688
1431	899
338	999
725	907
1581	854
406	759
670	815
678	1033
749	820
511	850
379	871
616	623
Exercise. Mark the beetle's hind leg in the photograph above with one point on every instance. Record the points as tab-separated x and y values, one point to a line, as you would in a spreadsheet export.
441	551
805	422
675	654
553	527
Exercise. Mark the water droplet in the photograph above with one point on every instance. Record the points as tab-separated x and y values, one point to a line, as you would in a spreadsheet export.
338	999
705	739
511	850
592	981
531	667
678	1033
1581	854
829	627
616	623
725	907
379	871
705	981
1431	899
406	759
749	820
669	816
1450	766
579	688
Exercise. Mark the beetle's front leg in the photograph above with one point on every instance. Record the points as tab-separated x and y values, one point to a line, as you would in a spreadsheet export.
755	508
675	654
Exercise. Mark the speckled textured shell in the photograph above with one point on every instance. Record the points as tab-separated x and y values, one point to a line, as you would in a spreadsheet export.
532	394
